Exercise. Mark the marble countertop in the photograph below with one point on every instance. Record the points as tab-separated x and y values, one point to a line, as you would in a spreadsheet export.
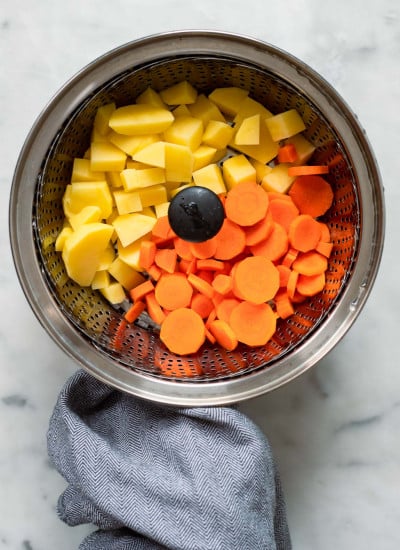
335	429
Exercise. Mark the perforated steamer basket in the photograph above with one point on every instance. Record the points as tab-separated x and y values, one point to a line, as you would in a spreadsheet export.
127	356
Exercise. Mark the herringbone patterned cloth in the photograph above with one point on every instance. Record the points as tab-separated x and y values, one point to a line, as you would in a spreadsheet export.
155	477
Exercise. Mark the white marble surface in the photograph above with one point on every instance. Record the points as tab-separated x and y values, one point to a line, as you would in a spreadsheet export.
335	430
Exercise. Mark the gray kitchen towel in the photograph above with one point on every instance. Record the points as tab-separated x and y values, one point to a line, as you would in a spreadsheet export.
154	477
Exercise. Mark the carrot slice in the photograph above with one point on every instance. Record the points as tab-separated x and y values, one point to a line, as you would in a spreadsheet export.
205	249
223	334
210	337
154	309
166	258
307	170
154	272
259	231
311	285
304	232
207	276
183	331
182	248
173	291
253	324
283	212
202	305
310	263
231	241
324	248
147	252
210	265
284	273
325	233
255	279
312	195
275	246
290	257
225	308
292	283
287	153
275	195
140	291
223	284
201	285
134	311
284	307
246	203
162	228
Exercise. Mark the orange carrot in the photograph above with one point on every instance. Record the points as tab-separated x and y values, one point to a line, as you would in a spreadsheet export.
312	195
287	153
231	241
154	309
283	212
140	291
210	337
173	291
284	273
225	308
324	248
182	248
223	284
253	324
292	283
246	203
201	285
154	272
275	246
284	307
207	276
223	334
325	233
274	195
183	331
311	285
162	228
202	305
187	266
310	263
290	257
134	311
147	253
205	249
307	170
166	258
304	233
210	265
211	317
259	231
255	279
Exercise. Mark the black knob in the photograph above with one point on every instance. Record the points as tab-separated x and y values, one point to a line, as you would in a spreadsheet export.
196	214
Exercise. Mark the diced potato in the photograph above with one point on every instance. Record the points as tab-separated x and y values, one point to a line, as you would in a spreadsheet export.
82	251
237	169
136	165
106	156
178	162
133	179
210	176
131	254
149	211
153	154
203	156
140	119
151	196
220	154
151	97
132	144
87	193
204	109
174	192
185	131
101	280
218	134
114	179
131	227
229	99
250	107
107	257
81	171
278	179
114	293
261	169
264	152
304	148
248	132
181	110
285	125
102	117
127	202
62	237
125	274
182	93
96	137
88	214
161	210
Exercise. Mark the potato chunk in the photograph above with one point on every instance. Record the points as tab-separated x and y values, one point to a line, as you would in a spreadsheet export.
140	119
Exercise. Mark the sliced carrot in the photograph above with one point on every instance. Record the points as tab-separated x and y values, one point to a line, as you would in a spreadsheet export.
312	195
284	307
140	291
223	334
304	233
210	337
147	252
134	311
166	258
231	241
187	266
287	153
259	231
202	305
210	265
246	203
183	331
307	170
253	324
162	228
154	309
201	285
207	276
275	246
205	249
310	263
225	308
290	257
325	233
324	248
283	212
223	284
284	273
154	272
255	279
292	283
211	317
275	195
182	248
311	285
173	291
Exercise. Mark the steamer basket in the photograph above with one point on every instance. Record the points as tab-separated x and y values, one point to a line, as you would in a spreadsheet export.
84	325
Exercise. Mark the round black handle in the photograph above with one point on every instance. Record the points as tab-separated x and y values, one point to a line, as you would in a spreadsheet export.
196	214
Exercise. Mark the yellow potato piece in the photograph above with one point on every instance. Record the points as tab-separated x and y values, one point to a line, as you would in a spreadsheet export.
285	125
210	176
114	293
134	179
178	162
87	193
101	280
140	119
107	257
236	170
228	99
185	130
82	251
130	227
81	171
127	202
88	214
248	132
151	196
182	93
204	109
218	134
101	119
153	154
132	144
250	107
106	156
203	156
304	148
151	97
62	237
125	274
130	254
261	169
265	151
278	179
